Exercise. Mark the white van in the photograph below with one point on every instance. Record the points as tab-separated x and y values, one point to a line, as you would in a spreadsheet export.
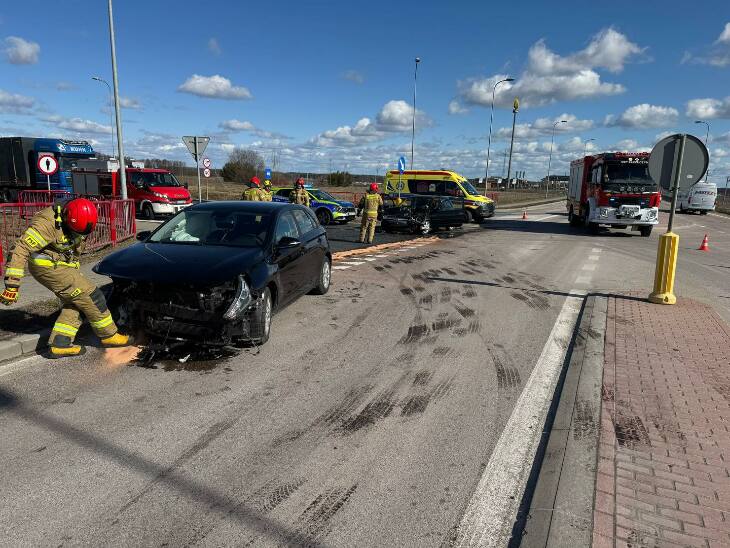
699	197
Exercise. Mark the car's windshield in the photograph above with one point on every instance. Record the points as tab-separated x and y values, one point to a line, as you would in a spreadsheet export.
469	188
322	195
154	179
229	227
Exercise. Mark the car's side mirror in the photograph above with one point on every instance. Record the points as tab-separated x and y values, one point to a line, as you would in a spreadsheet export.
142	236
287	242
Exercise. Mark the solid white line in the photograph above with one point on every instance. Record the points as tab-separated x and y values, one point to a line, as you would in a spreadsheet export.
492	510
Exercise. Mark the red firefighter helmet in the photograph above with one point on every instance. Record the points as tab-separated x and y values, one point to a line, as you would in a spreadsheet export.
255	181
373	187
300	182
80	215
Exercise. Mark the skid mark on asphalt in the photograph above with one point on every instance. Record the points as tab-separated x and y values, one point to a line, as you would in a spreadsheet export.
314	522
416	404
508	376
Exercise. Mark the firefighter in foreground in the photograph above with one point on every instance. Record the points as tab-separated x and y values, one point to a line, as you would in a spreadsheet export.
300	195
267	194
50	248
369	206
254	192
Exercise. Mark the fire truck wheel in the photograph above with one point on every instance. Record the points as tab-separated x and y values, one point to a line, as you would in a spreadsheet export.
147	212
645	231
573	219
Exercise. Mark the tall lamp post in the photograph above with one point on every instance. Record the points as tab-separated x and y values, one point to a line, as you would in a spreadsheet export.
585	146
117	109
550	158
707	137
111	107
515	108
413	131
489	143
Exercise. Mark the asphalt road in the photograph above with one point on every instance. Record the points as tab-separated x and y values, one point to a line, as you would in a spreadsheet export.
367	420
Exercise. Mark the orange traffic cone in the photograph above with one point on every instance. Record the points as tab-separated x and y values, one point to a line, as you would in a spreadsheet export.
704	245
524	214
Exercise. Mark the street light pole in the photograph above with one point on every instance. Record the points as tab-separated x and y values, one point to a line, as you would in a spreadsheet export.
515	108
117	109
413	131
111	107
550	159
489	143
707	137
585	146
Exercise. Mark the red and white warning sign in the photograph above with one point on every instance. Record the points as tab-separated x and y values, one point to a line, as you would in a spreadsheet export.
206	162
206	172
47	164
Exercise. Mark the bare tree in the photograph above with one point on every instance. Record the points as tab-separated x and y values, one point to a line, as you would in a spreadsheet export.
242	164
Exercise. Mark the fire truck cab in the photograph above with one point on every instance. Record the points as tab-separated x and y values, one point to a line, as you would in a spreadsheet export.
613	189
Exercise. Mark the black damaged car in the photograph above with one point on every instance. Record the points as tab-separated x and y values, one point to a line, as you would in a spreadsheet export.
421	214
215	273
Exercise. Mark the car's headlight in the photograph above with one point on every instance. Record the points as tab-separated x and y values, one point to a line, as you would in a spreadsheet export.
158	195
240	302
338	209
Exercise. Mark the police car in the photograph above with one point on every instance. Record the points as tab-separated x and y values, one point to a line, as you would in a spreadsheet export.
327	208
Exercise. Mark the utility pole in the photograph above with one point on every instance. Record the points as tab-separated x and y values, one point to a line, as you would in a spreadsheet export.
550	159
515	108
489	143
707	137
117	109
413	131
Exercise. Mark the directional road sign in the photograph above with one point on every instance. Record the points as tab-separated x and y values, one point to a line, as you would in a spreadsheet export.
401	164
206	162
664	161
47	164
196	145
267	174
206	172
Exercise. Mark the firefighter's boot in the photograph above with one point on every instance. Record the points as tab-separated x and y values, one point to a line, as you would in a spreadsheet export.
115	341
67	351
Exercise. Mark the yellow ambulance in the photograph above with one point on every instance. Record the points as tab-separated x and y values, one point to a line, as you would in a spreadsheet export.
440	183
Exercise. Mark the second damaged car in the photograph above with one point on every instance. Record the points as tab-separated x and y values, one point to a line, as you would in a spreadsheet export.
216	272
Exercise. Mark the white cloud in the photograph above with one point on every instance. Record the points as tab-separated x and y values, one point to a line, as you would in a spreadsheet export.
130	103
237	126
395	117
353	76
12	103
724	37
709	108
214	47
550	77
644	116
64	86
21	52
455	107
544	127
78	125
215	87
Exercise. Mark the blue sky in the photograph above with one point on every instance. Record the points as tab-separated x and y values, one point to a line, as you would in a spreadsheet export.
331	83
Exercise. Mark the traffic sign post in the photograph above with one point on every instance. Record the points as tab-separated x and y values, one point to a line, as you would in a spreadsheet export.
197	145
676	163
401	170
48	165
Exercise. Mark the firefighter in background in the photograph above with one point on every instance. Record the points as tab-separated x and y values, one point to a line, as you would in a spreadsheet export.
267	193
368	207
300	195
254	192
50	248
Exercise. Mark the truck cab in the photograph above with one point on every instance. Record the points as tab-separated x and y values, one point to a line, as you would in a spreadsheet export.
613	189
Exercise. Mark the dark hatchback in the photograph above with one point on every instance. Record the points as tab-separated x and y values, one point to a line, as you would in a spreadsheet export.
215	273
421	214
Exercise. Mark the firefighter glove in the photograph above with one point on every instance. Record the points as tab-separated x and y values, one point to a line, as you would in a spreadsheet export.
9	295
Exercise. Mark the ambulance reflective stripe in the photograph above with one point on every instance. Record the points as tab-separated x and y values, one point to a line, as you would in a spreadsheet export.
15	272
65	329
34	239
106	321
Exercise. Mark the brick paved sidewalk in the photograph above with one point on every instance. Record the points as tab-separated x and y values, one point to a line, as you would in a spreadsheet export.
664	456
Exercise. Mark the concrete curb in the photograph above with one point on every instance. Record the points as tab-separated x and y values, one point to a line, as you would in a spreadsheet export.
21	345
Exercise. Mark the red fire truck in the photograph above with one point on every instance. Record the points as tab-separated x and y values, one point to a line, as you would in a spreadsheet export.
613	189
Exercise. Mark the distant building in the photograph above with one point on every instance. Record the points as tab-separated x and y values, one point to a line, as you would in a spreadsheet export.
556	179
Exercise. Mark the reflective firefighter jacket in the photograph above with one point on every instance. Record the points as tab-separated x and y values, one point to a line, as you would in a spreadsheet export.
370	203
299	196
254	194
44	243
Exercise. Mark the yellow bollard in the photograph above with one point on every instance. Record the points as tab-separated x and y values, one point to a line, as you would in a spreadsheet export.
666	265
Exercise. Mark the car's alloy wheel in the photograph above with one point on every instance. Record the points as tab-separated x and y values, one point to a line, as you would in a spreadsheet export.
148	212
325	278
324	216
260	320
426	227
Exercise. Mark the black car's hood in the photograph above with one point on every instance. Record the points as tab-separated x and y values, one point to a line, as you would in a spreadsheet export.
179	263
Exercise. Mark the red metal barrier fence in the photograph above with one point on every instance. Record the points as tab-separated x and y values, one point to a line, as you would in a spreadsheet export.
42	196
116	223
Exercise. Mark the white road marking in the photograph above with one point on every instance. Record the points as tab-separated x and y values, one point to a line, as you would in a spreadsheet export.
382	256
583	280
492	510
368	259
596	250
593	257
353	263
339	267
589	267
